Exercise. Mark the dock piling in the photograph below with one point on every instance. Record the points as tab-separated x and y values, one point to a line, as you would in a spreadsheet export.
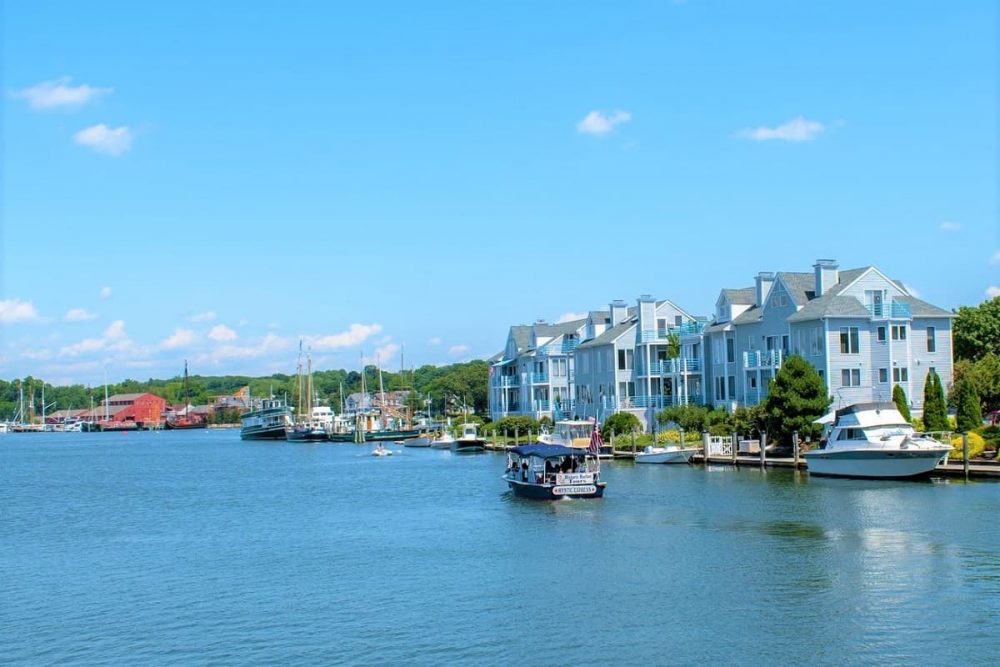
795	448
965	455
763	448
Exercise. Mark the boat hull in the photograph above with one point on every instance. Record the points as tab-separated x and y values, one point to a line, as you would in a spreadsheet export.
264	433
874	464
306	435
468	446
667	456
418	442
184	426
555	492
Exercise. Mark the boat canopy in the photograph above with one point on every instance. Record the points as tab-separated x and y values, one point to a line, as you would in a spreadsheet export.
547	451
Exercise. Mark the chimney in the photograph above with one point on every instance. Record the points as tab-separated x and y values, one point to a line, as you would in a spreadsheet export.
826	275
647	313
764	280
618	311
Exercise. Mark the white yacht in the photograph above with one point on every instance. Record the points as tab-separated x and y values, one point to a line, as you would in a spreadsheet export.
872	440
469	441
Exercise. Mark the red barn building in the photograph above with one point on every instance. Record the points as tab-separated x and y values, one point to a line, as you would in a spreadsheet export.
143	409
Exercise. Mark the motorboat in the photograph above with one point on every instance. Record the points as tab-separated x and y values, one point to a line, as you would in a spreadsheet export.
552	472
576	434
423	441
380	450
873	440
469	441
444	441
668	454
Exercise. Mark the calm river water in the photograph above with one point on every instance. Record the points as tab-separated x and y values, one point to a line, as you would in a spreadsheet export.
196	548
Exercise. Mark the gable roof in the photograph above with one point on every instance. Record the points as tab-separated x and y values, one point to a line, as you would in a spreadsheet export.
744	296
830	305
919	308
611	335
801	287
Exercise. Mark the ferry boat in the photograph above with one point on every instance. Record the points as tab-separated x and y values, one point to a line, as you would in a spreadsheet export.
268	422
469	442
873	440
552	472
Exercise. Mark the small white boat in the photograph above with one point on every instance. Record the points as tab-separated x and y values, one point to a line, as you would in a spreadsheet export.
443	441
669	454
381	451
422	441
872	440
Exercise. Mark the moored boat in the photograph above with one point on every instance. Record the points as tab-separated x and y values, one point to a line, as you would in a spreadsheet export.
873	440
469	441
268	422
443	441
551	472
669	454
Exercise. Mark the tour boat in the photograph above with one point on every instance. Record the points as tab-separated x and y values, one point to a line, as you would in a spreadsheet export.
268	422
669	454
551	472
873	440
469	441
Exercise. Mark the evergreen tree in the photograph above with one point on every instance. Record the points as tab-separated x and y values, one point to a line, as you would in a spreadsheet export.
970	413
621	423
796	398
935	412
899	398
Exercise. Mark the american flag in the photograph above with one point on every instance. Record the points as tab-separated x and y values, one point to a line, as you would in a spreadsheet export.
595	440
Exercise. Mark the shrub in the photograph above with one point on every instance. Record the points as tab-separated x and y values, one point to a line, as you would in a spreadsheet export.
935	413
522	423
545	422
976	446
991	434
899	398
969	416
621	423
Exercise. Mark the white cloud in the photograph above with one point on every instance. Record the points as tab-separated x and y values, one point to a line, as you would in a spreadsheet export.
179	338
797	129
105	292
995	259
382	354
355	335
993	291
436	340
949	226
103	139
221	333
457	350
84	346
59	93
115	330
207	316
270	343
13	311
598	124
570	316
114	339
78	315
37	355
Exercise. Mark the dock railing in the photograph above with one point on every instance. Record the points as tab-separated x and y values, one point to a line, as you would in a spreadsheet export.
719	445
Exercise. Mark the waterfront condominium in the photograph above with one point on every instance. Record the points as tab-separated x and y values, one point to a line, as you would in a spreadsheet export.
862	331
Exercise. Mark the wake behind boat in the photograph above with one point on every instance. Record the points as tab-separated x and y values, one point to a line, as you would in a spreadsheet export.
551	472
873	440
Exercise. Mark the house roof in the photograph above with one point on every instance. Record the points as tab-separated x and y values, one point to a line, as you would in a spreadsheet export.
744	296
522	336
801	286
126	397
610	335
919	308
830	305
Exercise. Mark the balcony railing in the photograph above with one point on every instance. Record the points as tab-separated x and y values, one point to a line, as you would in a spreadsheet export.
889	310
548	405
539	378
510	381
563	348
644	402
663	335
762	359
675	365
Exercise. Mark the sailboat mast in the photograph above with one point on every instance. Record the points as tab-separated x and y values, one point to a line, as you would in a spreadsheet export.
105	393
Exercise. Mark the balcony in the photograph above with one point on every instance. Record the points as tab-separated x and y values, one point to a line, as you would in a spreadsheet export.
539	378
563	348
889	310
663	335
510	381
675	365
767	359
657	402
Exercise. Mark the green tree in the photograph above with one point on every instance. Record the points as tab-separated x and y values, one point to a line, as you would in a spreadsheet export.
970	413
899	398
691	418
796	397
976	330
621	423
935	416
984	374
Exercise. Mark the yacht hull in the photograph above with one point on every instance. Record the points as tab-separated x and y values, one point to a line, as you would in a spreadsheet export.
552	492
666	456
874	464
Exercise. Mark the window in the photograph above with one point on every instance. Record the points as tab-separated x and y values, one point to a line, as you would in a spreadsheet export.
849	340
661	326
585	362
816	344
784	343
626	389
732	386
730	350
900	374
678	320
559	367
931	342
850	377
752	380
883	375
717	349
625	359
880	334
720	388
899	332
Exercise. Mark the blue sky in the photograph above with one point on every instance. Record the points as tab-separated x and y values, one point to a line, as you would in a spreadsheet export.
214	183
